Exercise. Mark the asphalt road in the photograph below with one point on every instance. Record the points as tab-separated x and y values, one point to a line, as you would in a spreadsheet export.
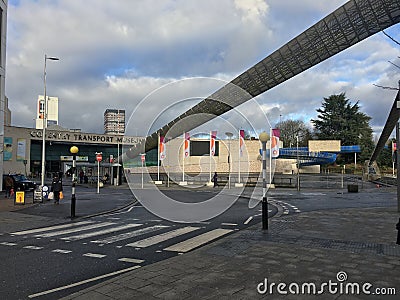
55	256
46	261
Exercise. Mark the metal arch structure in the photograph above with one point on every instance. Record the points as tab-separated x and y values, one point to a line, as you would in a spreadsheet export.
391	121
351	23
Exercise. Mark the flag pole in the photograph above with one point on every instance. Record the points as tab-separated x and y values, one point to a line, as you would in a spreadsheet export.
183	158
240	153
270	157
210	153
158	159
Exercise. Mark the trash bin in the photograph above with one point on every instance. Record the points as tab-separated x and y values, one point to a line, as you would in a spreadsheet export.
352	188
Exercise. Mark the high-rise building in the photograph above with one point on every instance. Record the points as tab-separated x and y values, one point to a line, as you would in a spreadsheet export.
114	121
7	113
52	111
3	34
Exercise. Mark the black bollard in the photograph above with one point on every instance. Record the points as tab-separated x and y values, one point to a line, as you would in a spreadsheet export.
398	232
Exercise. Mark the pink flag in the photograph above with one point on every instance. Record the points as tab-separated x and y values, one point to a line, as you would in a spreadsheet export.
241	141
213	136
276	132
162	148
186	146
275	146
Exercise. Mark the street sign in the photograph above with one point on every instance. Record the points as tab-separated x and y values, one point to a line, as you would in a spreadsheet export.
143	157
99	157
20	197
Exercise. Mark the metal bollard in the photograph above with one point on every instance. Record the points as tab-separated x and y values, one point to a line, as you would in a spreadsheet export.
398	232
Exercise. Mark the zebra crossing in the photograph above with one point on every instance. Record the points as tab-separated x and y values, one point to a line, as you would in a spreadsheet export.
137	235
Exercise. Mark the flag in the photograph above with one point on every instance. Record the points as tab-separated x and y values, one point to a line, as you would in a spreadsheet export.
276	132
213	135
241	142
186	146
275	146
162	148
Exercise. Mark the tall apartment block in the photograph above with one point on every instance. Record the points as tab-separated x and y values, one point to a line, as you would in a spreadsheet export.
52	111
114	121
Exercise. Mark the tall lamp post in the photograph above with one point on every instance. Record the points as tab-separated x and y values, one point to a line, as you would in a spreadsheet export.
45	118
74	150
229	135
264	137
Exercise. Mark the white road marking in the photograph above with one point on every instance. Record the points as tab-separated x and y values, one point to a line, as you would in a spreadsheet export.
229	224
8	244
82	282
62	232
197	241
100	232
50	228
156	239
131	260
248	220
128	235
33	247
94	255
130	209
113	218
62	251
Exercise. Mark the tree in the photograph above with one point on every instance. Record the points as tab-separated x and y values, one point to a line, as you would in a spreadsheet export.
339	119
290	129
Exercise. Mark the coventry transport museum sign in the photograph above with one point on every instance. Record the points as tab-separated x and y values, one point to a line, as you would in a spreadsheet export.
75	137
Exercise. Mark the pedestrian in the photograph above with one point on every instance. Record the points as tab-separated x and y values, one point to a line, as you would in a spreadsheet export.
215	179
9	185
81	175
56	188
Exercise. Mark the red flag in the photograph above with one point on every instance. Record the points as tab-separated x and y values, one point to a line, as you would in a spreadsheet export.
162	148
213	136
187	144
241	141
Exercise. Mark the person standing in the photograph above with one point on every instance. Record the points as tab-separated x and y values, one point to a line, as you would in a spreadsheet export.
215	179
9	185
81	175
56	188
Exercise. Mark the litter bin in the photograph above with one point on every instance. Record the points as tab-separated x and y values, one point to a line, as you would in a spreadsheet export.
352	188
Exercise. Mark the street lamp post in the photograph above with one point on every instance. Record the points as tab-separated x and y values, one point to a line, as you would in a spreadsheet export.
229	135
45	119
263	139
74	150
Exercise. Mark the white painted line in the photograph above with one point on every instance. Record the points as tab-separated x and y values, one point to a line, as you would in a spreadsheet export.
197	241
297	210
130	209
156	239
62	251
8	244
33	247
82	282
51	228
131	260
113	218
229	224
95	255
248	220
62	232
128	235
100	232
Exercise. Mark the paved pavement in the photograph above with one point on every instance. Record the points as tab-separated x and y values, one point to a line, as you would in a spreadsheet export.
335	251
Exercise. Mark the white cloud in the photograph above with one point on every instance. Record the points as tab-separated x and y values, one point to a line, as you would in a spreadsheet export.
114	53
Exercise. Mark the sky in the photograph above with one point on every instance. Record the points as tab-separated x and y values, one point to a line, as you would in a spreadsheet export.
114	54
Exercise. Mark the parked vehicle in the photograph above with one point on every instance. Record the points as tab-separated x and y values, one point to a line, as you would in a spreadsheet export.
21	183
